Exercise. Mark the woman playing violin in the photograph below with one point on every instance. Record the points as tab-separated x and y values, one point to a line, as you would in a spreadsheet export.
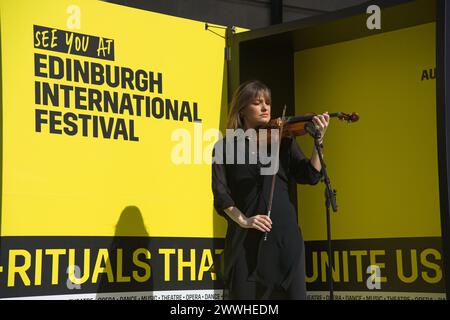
252	268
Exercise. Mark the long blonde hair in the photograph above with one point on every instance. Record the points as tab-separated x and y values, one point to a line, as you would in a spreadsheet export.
243	97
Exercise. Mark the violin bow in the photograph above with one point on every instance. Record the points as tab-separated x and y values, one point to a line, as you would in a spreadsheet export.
272	188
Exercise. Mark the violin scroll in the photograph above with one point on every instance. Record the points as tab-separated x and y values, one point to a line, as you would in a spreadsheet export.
348	117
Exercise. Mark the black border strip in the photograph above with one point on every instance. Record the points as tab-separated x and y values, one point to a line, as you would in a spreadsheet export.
443	134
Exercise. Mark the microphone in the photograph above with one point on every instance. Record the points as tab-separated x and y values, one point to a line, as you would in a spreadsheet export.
312	130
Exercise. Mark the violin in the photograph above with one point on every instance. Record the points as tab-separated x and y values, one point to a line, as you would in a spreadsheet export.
293	126
296	126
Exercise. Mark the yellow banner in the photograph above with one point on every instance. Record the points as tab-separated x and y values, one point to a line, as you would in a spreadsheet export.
92	95
384	167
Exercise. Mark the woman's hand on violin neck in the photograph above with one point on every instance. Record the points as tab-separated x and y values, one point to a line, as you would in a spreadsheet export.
321	121
259	222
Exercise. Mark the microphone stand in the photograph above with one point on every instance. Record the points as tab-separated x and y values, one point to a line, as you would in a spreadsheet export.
330	199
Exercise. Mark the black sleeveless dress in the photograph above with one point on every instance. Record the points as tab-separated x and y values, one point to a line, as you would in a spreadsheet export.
250	267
